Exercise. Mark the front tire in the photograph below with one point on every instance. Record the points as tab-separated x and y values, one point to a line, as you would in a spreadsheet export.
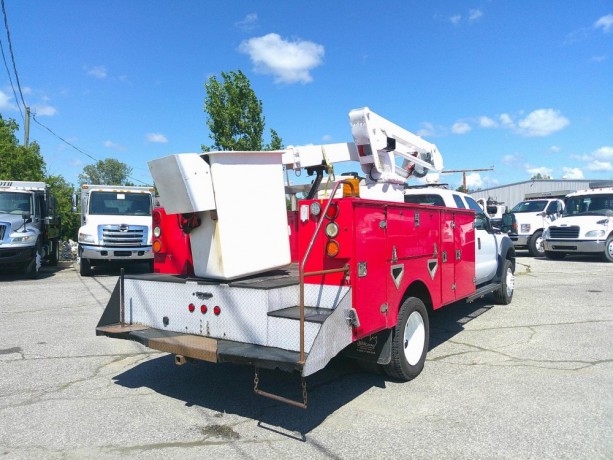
504	294
32	269
85	267
410	339
607	255
535	245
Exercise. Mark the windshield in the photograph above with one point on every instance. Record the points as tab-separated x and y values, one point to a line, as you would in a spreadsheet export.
595	205
530	206
120	204
15	202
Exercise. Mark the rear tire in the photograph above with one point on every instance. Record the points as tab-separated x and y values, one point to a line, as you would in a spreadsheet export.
535	245
607	255
555	255
504	294
410	339
55	253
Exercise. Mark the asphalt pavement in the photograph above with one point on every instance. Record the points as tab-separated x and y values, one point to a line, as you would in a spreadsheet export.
533	379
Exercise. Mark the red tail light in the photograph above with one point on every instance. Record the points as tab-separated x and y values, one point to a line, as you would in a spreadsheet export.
203	309
157	217
216	310
191	307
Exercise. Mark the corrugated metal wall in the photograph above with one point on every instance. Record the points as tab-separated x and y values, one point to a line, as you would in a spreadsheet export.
512	194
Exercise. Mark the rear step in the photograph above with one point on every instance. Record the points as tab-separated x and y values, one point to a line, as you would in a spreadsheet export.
205	348
311	314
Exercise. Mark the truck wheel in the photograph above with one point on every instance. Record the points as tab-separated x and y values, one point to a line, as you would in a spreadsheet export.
555	255
33	267
55	253
85	267
535	245
504	294
607	255
410	338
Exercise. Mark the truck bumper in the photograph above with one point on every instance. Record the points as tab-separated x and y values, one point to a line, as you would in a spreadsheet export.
11	257
574	246
519	240
120	253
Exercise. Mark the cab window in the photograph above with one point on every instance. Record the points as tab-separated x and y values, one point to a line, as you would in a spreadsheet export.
432	200
458	201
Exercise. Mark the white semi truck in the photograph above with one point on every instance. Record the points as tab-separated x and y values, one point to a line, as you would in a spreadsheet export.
29	226
115	226
586	226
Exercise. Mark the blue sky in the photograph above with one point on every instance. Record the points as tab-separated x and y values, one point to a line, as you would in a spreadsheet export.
523	86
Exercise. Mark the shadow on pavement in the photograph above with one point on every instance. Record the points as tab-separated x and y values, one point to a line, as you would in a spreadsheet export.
228	388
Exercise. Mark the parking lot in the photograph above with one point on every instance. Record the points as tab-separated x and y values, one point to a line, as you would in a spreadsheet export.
533	379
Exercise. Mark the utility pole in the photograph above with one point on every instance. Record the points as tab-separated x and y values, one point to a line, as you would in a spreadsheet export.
26	135
464	171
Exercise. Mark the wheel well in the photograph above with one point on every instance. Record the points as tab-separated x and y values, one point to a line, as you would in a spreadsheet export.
420	290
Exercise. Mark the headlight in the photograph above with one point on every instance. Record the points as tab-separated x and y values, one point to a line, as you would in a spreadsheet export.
21	238
86	238
595	234
525	228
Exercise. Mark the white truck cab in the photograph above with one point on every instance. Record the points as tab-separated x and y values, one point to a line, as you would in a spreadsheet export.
532	217
586	226
115	225
490	244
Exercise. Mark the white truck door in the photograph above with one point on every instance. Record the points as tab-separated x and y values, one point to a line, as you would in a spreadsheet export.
486	245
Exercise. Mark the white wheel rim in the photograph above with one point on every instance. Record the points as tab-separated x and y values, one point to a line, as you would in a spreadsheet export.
610	248
510	282
539	245
414	338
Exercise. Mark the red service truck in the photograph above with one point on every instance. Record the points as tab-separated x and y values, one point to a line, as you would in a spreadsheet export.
354	271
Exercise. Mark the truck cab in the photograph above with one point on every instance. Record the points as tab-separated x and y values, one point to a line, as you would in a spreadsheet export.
491	246
115	226
29	226
586	226
531	218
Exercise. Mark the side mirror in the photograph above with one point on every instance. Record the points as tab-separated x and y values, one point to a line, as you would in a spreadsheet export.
74	202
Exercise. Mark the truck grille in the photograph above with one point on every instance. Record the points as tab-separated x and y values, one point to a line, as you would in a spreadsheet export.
2	231
124	235
564	232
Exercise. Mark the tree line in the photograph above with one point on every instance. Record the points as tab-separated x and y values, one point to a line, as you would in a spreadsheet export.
234	119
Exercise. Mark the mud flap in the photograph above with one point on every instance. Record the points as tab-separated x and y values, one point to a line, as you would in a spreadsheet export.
111	312
376	348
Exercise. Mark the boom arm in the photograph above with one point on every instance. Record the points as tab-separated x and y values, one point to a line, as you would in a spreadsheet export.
377	144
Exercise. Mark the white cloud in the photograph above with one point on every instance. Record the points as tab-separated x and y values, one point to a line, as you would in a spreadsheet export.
114	146
473	15
604	153
460	127
430	130
5	102
44	110
248	23
600	166
606	23
455	19
542	170
487	122
506	120
509	159
288	61
474	180
156	138
541	123
554	149
97	71
572	173
326	138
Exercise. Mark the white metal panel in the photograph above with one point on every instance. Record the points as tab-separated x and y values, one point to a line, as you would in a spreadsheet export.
184	183
248	233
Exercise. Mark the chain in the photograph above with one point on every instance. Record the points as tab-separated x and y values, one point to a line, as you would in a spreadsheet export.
256	380
304	391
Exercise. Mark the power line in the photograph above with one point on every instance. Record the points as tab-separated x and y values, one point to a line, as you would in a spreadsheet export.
8	72
77	148
8	36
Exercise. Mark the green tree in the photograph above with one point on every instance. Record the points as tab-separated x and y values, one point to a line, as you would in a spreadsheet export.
540	176
18	162
63	191
235	117
106	172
